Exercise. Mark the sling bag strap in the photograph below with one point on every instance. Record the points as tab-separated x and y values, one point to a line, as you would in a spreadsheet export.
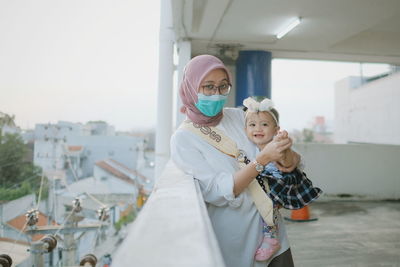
226	145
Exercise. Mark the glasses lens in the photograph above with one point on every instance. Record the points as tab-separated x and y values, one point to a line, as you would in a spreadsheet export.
224	89
209	89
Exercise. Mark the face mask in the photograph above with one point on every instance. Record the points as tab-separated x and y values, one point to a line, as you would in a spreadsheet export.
210	105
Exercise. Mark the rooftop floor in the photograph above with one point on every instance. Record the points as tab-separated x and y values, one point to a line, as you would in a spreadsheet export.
347	233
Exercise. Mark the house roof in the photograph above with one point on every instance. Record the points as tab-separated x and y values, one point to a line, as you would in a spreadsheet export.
95	186
19	223
114	171
75	148
134	172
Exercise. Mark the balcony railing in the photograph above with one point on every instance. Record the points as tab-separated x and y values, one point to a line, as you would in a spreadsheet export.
173	228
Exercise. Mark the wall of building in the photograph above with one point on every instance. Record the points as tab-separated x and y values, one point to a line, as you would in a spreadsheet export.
51	141
48	154
366	170
100	128
369	112
61	130
120	148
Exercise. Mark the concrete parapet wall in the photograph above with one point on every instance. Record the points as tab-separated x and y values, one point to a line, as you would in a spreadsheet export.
366	170
173	228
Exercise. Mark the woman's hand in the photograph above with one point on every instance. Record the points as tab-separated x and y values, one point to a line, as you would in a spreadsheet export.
290	159
274	150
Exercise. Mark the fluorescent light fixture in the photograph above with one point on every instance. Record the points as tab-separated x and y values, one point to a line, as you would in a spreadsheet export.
289	27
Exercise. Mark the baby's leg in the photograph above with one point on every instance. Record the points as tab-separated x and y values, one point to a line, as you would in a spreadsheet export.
270	243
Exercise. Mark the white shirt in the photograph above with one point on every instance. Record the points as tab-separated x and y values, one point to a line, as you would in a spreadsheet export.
236	221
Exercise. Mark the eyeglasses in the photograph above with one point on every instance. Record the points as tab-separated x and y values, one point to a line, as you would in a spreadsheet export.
211	89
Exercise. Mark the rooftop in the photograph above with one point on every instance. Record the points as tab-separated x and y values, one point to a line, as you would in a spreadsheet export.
347	233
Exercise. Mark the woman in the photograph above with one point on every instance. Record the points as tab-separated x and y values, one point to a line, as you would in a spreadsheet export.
235	219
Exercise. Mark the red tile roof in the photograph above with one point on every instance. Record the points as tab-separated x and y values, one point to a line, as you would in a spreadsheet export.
19	223
75	148
110	169
134	172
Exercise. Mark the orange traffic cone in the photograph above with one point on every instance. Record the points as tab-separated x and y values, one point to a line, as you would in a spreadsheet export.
301	215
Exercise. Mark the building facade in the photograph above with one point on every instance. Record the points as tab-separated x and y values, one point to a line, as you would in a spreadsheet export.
368	112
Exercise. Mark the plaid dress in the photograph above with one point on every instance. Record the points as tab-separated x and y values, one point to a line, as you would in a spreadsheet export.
291	190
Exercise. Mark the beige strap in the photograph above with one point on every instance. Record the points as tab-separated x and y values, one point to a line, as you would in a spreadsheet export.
262	201
226	145
214	137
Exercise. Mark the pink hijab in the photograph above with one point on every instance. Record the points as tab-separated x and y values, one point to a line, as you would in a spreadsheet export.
195	71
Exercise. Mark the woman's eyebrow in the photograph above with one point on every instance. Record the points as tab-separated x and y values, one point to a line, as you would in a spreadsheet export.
224	79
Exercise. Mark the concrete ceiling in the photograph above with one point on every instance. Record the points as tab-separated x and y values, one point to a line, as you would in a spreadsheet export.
345	30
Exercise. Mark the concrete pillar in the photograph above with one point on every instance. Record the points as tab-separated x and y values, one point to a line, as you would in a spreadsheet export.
37	254
253	75
69	256
69	252
165	85
184	54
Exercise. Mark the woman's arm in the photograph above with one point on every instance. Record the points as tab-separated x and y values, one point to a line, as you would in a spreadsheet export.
244	177
215	175
219	187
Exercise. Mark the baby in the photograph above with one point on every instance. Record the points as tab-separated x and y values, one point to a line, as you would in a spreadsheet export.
289	190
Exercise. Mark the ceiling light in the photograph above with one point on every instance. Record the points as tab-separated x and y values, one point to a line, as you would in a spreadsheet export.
288	28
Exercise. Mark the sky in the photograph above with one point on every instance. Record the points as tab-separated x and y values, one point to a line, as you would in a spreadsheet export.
98	60
79	61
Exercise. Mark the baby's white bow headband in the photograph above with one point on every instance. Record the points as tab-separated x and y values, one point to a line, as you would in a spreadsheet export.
265	105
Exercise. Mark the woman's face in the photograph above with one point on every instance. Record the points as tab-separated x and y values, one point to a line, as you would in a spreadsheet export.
215	82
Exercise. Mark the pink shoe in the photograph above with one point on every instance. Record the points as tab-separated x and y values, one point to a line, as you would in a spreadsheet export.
268	248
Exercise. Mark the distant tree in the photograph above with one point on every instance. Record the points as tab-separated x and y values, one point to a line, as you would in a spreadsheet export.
6	119
308	136
17	176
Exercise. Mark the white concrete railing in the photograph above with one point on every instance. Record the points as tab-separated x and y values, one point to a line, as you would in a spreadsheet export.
173	229
366	170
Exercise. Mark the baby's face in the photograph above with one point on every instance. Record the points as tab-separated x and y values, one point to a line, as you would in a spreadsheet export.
260	128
